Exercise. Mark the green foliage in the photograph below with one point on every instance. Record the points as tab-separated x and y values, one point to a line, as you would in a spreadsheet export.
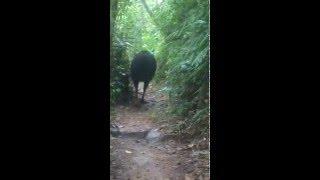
177	31
184	58
119	60
135	26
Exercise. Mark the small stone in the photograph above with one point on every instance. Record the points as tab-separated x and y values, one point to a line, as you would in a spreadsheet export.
188	177
171	152
200	177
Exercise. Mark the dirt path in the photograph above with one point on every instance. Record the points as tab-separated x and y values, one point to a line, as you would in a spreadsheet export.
144	151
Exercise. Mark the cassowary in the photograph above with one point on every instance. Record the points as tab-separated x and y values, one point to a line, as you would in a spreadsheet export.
143	67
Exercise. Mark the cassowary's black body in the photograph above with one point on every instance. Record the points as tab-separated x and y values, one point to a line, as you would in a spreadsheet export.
143	68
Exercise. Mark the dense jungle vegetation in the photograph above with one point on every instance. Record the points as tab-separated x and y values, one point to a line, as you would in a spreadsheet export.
177	33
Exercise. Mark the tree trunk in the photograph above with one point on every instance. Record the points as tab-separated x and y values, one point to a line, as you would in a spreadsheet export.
151	16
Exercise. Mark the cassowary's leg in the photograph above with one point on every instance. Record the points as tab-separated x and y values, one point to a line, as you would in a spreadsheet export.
146	83
136	83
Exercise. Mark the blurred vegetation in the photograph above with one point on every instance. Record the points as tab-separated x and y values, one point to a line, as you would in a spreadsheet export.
177	32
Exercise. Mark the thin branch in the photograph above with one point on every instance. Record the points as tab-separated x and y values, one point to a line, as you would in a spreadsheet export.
147	8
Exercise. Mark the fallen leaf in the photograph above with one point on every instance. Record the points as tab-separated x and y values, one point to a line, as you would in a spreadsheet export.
190	145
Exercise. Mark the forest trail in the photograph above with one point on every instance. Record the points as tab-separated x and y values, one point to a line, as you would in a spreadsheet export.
145	151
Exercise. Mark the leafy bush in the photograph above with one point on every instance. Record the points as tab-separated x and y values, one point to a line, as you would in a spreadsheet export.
184	58
119	60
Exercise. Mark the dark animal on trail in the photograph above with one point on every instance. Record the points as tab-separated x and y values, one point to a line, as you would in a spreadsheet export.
143	67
